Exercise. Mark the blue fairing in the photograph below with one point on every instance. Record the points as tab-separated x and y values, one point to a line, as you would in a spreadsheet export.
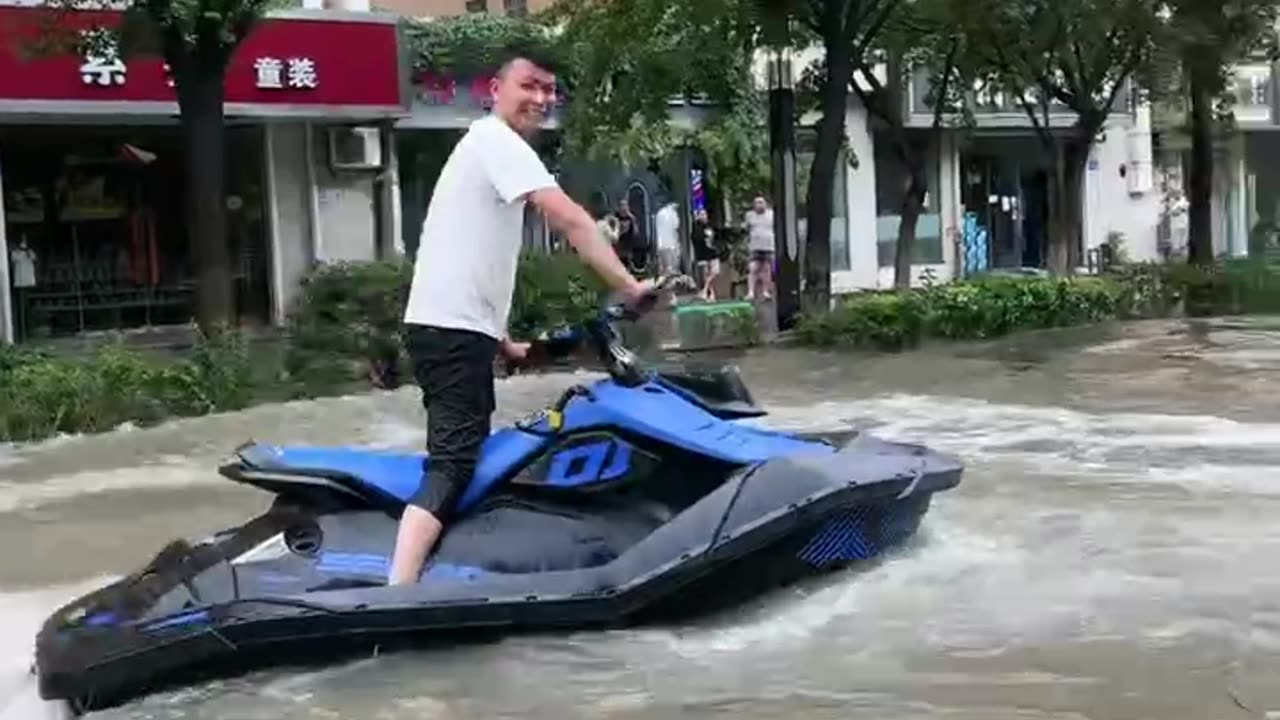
650	410
653	411
399	474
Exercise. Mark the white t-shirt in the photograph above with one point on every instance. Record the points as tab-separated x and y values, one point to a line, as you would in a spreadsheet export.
760	231
465	270
668	227
24	267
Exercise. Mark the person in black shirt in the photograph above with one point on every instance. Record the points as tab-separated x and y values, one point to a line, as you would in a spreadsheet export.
705	254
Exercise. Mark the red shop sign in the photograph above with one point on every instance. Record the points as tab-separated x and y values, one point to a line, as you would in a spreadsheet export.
286	63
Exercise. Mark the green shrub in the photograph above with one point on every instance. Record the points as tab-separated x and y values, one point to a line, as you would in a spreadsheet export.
217	375
1237	286
982	308
991	306
347	323
42	395
553	290
884	321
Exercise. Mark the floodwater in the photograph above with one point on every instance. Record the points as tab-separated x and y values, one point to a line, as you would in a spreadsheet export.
1111	553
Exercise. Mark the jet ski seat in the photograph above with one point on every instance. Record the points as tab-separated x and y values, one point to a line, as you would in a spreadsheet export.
367	479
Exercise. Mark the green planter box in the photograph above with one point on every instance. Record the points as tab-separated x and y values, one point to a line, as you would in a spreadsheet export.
720	324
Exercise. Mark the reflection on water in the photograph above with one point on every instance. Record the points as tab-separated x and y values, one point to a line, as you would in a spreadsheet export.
1110	553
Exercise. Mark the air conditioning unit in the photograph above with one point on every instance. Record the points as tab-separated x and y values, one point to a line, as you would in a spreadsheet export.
355	148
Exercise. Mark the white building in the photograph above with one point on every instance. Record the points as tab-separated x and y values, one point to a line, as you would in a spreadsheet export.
987	190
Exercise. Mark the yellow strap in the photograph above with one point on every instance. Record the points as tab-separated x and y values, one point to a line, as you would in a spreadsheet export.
555	419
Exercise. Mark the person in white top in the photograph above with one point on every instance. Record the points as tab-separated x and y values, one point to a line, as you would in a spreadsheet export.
24	265
759	222
464	275
668	230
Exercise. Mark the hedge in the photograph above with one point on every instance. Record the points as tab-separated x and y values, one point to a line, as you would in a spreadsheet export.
343	334
347	321
991	306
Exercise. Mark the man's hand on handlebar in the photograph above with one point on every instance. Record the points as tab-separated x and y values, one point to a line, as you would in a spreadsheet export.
644	294
638	292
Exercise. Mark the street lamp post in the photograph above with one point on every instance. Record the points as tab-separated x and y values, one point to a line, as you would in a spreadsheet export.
783	155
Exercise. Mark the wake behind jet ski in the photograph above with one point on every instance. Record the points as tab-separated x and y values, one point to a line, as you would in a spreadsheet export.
635	497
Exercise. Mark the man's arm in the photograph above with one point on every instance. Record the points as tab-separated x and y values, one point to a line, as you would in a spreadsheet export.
574	221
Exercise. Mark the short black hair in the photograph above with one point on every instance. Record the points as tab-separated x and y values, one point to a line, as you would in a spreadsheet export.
536	52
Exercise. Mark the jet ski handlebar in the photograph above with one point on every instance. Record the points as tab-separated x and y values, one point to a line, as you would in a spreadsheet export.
615	309
619	361
601	332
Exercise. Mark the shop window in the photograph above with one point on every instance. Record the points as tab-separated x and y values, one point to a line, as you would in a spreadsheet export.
99	216
891	178
641	208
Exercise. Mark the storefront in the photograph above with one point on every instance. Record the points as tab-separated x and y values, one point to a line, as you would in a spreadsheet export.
93	174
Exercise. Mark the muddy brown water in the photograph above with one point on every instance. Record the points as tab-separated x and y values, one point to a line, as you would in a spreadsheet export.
1111	553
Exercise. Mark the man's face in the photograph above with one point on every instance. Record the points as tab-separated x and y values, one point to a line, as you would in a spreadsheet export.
523	95
758	205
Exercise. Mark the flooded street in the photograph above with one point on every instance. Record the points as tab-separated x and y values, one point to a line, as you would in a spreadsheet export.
1110	553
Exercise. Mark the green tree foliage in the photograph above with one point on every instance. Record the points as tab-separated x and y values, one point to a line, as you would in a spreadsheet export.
1078	54
471	45
196	38
633	56
630	62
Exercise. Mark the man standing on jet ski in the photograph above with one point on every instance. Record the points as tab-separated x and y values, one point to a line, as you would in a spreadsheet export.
463	280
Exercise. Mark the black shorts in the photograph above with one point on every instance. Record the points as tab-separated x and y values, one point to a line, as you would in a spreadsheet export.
454	369
764	256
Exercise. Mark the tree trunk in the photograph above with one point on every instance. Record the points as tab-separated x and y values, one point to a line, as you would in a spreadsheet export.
1200	185
200	99
817	256
912	204
1063	253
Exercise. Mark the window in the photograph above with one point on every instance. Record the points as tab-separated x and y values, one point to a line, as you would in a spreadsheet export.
638	199
516	8
891	188
839	241
477	6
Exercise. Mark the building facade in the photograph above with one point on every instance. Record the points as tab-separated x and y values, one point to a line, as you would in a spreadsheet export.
333	155
1246	183
987	201
92	176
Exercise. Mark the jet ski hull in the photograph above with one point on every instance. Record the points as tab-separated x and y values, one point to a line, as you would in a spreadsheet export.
220	605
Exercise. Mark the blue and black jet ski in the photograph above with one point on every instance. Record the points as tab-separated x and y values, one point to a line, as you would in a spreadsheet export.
637	497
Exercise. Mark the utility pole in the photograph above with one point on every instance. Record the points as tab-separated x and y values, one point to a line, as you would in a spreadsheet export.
782	145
